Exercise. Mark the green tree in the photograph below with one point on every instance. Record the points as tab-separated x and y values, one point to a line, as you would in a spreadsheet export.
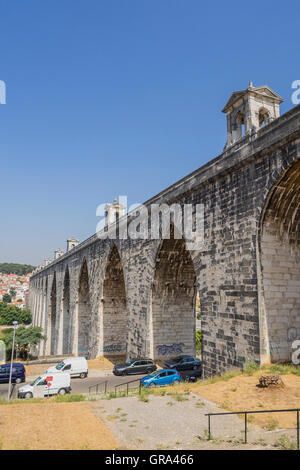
10	313
6	298
12	292
198	340
25	337
14	268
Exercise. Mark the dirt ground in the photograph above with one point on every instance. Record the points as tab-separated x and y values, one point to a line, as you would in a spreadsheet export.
242	393
177	421
54	426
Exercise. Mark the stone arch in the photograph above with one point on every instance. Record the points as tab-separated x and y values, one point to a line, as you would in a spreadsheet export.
52	319
173	301
263	117
66	340
279	267
84	311
114	312
240	124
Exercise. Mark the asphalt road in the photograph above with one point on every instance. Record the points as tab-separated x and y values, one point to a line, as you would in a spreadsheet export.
82	385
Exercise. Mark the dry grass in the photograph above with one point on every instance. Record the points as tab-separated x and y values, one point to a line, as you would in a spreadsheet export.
241	393
54	426
101	363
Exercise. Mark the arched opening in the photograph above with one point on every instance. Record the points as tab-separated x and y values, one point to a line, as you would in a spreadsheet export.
173	311
53	332
263	117
240	124
114	307
280	267
67	347
84	311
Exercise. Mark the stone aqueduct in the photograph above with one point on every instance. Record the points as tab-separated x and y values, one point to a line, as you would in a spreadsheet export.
137	297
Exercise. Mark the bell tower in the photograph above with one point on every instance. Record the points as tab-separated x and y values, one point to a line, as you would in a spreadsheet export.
249	110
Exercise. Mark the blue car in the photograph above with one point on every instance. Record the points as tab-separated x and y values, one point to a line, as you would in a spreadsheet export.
18	373
161	377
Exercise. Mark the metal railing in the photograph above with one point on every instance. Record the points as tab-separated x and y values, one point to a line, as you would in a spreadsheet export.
105	382
245	413
115	387
127	386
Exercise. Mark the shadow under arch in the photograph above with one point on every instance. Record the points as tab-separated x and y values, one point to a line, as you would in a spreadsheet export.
66	340
279	267
173	301
52	317
114	325
83	311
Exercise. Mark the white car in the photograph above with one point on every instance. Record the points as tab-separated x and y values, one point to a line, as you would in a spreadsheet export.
46	385
73	365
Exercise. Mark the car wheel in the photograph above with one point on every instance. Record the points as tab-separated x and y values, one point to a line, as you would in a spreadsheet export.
152	385
28	395
195	368
148	371
62	391
82	375
124	373
176	382
18	380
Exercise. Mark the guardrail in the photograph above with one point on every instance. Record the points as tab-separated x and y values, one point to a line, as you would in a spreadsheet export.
245	413
127	386
115	387
105	382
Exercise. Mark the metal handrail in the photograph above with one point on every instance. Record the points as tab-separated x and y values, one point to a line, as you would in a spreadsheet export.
127	385
254	412
97	386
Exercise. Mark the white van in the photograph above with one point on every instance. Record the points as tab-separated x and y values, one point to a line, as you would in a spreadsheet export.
72	365
46	385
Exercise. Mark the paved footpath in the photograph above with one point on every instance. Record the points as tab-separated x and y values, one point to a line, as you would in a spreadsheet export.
166	423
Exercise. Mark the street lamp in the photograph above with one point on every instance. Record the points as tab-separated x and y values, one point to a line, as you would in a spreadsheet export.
15	324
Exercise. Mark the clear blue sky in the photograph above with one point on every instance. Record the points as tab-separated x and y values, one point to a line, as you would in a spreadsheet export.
113	97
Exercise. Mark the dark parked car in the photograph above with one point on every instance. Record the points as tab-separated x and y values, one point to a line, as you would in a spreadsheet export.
183	363
135	366
191	375
18	373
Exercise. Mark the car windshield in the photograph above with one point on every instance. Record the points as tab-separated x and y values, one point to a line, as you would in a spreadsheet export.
128	363
176	359
36	381
153	374
60	365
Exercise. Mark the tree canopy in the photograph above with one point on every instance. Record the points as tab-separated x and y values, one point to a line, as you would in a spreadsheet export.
10	313
15	268
25	337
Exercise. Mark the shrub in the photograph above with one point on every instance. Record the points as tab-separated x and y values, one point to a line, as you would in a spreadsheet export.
250	368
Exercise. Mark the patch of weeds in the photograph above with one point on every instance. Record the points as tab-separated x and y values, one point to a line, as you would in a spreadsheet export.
207	436
132	425
123	419
250	368
233	389
186	391
260	405
180	398
170	403
250	419
225	405
123	414
69	398
112	417
261	442
162	447
199	404
284	443
177	443
144	397
118	410
271	424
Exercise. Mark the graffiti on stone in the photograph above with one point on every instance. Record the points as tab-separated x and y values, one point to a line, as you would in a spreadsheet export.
165	349
112	348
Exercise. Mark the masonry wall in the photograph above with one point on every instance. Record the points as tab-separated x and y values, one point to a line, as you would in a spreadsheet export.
233	189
